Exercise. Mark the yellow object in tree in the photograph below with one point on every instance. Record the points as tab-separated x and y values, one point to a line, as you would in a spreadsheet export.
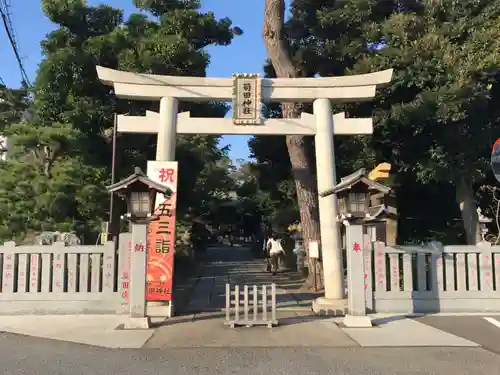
380	172
294	227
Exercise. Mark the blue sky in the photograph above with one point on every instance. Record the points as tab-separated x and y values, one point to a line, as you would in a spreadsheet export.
245	55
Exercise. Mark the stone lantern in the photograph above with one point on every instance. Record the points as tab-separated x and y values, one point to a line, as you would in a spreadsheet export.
369	203
140	192
363	204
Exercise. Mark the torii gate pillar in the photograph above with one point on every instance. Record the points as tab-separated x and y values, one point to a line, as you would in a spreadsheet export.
329	227
167	131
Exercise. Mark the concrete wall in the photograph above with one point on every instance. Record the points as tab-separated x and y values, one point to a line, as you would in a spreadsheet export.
435	278
59	279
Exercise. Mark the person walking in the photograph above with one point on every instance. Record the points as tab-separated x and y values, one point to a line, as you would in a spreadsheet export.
274	249
267	232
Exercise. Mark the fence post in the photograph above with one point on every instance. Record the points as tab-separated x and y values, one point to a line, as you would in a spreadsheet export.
245	303
236	303
255	303
137	311
228	302
59	266
496	262
369	269
486	267
8	267
108	267
273	302
356	316
124	261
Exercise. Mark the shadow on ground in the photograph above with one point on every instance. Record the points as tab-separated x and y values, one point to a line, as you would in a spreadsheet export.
285	319
237	266
208	330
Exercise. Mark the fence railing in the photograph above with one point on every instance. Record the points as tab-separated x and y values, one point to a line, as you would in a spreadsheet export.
251	306
58	279
434	278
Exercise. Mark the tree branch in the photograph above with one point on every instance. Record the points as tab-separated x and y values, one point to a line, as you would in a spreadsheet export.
274	39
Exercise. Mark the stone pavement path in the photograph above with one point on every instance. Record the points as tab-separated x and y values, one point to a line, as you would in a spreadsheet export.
237	266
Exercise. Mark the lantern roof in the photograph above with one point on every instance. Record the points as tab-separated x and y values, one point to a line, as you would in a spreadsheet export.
375	212
138	177
360	176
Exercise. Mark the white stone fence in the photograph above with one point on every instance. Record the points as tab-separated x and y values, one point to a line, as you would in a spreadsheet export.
432	278
58	279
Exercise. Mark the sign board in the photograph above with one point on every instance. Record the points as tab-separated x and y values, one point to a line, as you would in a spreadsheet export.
161	234
495	159
314	249
246	99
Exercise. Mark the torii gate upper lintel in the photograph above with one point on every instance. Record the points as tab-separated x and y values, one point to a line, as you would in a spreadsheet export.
321	124
139	86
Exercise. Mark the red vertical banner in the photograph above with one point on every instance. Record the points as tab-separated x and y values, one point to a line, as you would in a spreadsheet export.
161	234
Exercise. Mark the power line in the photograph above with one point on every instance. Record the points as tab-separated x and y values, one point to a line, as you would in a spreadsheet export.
6	5
7	23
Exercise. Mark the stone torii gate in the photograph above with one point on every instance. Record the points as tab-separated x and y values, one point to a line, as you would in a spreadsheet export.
247	92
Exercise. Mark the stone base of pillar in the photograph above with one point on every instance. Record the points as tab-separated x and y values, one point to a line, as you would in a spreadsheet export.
330	307
163	309
137	323
351	321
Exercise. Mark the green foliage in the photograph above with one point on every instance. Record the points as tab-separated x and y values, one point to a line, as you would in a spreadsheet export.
444	55
32	202
13	105
62	154
435	122
438	117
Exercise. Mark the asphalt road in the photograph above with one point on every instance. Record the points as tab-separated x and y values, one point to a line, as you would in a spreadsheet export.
473	328
22	355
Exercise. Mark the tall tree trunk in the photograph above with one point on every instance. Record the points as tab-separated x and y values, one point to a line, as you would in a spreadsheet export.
305	181
467	203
